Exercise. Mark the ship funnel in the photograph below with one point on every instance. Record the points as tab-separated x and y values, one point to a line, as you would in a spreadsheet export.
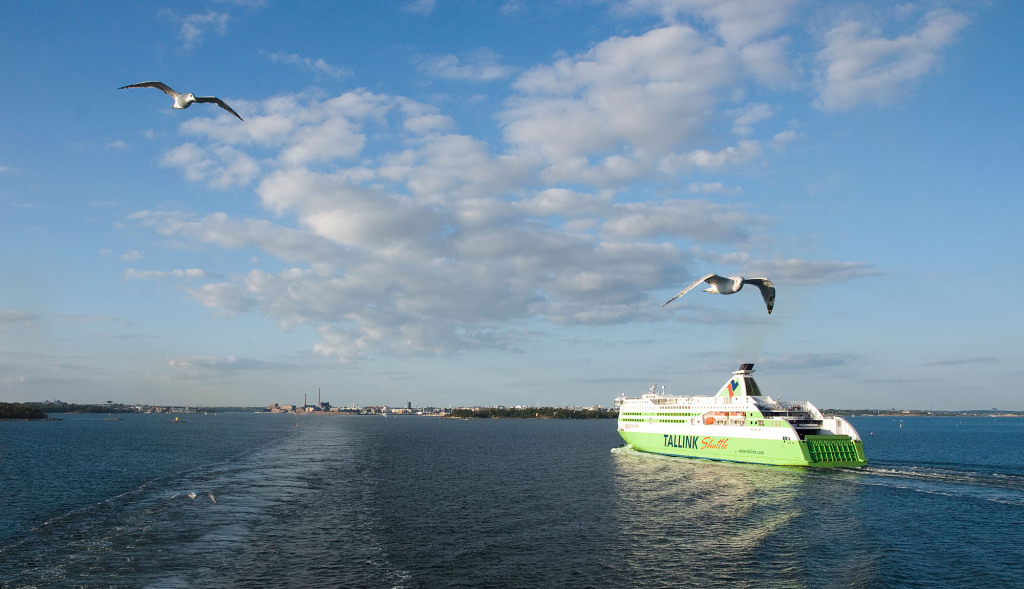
741	384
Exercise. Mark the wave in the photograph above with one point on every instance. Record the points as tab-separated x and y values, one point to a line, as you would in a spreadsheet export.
968	480
998	487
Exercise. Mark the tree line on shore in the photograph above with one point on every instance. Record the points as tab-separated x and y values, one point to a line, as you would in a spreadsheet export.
40	410
533	413
21	411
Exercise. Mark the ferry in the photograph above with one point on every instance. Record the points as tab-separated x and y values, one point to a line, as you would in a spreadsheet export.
738	424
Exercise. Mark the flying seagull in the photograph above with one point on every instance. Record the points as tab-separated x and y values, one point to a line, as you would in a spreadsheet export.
733	284
192	495
183	100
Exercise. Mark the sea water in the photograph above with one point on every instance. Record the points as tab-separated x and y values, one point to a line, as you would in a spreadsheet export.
361	501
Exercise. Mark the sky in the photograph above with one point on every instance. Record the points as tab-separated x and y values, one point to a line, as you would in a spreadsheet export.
487	202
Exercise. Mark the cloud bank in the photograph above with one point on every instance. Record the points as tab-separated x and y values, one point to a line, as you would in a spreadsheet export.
397	234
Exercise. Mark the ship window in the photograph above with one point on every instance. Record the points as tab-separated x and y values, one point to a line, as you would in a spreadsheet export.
752	389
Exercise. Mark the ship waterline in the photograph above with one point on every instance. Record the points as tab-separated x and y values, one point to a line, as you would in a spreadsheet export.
738	424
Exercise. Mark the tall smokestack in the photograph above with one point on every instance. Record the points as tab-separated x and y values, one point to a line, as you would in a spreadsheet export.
318	395
304	399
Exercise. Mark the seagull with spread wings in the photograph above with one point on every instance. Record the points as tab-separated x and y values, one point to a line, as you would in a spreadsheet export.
733	284
183	100
193	495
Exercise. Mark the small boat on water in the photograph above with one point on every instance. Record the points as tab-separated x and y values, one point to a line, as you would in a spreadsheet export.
738	424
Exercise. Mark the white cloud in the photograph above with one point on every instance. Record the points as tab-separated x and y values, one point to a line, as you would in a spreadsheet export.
443	167
697	220
332	139
565	202
743	152
769	62
16	316
811	361
246	3
313	129
746	28
481	65
510	7
427	123
860	66
423	7
711	188
748	116
314	65
737	22
643	94
218	166
796	271
160	274
450	288
335	208
398	234
783	138
207	366
963	361
195	26
11	379
217	229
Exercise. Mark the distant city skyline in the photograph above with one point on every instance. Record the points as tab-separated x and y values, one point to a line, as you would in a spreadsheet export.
460	204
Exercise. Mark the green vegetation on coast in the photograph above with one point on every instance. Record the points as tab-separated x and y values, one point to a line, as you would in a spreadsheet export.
62	407
20	411
533	413
921	413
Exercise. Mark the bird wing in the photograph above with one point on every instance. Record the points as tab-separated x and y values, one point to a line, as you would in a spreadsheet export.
211	497
219	103
689	288
767	291
158	85
724	284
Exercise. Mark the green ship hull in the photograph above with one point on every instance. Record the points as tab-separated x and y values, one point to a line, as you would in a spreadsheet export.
823	451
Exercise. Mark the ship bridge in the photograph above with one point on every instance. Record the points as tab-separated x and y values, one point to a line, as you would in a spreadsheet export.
804	417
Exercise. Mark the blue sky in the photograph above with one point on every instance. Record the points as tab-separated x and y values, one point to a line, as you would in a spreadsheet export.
454	203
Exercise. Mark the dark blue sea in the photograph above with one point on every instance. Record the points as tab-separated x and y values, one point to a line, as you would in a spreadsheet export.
347	501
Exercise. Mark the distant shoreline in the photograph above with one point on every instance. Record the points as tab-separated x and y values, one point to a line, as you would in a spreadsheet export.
921	413
12	411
